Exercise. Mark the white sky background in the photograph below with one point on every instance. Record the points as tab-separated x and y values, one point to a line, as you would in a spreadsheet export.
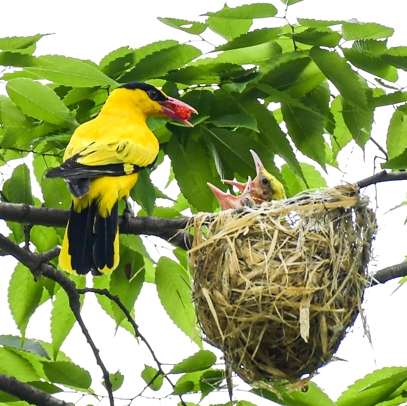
90	30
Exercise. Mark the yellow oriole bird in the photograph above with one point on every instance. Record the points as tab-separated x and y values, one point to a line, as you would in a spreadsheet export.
101	165
265	187
228	201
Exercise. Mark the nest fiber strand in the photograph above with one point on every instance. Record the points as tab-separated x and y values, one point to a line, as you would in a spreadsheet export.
277	286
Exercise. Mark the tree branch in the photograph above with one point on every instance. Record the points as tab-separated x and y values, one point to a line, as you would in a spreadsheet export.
382	176
26	392
389	273
32	261
171	230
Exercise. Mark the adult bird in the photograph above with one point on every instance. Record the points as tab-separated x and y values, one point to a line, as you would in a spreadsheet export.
228	201
101	165
265	187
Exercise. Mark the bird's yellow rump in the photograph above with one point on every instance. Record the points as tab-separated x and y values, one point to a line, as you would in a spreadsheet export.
101	166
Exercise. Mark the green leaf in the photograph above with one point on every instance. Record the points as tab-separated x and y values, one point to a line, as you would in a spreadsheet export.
174	290
116	380
229	28
19	190
318	36
191	27
306	130
347	81
69	72
200	361
135	243
389	99
309	22
62	318
396	56
24	295
210	381
33	346
126	282
341	136
358	120
252	38
314	396
181	388
13	43
39	101
397	132
255	10
355	31
67	373
13	364
150	373
373	388
293	73
363	55
190	164
144	192
16	126
236	121
160	62
397	163
44	238
117	61
295	184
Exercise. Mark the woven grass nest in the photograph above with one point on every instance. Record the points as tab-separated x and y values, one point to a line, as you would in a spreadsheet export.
277	286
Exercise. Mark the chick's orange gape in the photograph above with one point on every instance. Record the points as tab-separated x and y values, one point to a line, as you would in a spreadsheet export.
101	166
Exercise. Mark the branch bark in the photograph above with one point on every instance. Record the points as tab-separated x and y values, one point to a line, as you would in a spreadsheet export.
26	392
171	230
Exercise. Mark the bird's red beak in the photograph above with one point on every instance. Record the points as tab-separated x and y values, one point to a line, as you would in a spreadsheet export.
178	110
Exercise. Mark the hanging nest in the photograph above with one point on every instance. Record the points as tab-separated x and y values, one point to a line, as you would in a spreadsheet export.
277	286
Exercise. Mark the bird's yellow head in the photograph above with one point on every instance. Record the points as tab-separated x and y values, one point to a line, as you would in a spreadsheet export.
153	102
264	187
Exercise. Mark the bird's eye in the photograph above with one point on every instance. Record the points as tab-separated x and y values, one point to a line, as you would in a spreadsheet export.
246	201
265	181
153	94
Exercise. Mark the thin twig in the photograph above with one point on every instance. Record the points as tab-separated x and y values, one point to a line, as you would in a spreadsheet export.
382	176
116	299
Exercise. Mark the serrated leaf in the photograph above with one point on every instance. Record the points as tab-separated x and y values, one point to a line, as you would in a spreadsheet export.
190	165
39	101
397	132
229	28
68	71
396	56
250	39
174	290
200	361
19	190
347	81
358	120
255	10
397	163
314	396
161	62
117	61
313	177
355	31
309	22
210	381
67	373
318	36
150	373
363	56
13	364
13	43
374	387
236	121
135	243
389	99
182	388
62	318
24	295
29	345
293	73
341	135
116	380
191	27
144	192
126	282
44	238
306	131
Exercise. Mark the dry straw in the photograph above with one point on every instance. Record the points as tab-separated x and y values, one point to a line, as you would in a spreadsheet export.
276	287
